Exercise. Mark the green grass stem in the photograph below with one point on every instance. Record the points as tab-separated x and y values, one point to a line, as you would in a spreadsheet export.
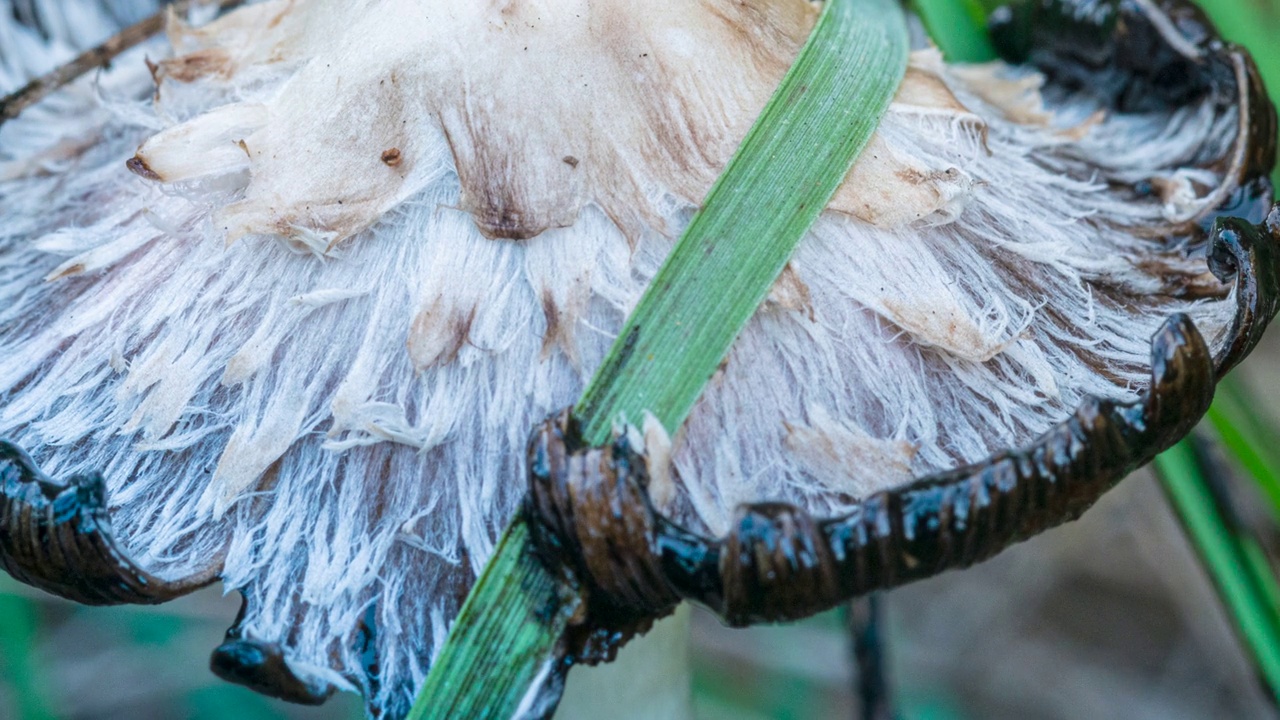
1248	438
504	637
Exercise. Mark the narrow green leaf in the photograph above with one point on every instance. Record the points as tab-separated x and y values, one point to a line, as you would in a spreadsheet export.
790	164
504	636
1247	438
958	28
1259	565
1240	573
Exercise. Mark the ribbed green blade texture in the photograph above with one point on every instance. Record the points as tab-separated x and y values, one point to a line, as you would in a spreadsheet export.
783	175
504	636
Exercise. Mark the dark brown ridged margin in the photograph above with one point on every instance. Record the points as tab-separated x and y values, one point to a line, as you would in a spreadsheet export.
777	563
592	516
1248	256
261	666
58	537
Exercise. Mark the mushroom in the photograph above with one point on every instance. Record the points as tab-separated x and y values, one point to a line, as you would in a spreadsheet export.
367	247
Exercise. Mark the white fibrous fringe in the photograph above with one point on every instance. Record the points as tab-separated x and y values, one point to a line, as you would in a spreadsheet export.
341	399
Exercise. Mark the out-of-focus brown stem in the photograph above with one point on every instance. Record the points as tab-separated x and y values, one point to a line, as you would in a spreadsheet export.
867	633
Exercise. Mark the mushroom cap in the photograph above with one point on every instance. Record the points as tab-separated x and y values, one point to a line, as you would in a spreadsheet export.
373	245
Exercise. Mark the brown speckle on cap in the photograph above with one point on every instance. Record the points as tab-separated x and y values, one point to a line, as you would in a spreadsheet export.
139	167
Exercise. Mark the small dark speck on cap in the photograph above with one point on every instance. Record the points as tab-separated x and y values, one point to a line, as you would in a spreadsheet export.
391	157
139	167
571	161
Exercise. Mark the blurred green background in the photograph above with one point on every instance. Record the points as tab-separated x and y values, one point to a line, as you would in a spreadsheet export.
1115	616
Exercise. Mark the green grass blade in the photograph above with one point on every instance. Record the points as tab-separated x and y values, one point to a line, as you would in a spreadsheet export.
1239	571
504	636
958	28
1248	438
784	174
786	170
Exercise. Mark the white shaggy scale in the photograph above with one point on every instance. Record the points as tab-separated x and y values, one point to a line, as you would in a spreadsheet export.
315	354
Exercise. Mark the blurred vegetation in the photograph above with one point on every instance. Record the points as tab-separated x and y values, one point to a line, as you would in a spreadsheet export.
62	660
58	660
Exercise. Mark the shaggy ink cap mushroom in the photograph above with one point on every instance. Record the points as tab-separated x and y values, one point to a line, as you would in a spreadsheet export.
365	248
